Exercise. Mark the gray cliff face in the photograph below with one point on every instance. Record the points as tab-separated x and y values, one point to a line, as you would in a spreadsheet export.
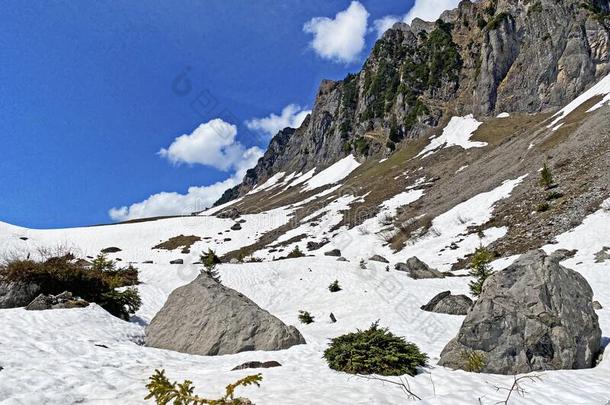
484	58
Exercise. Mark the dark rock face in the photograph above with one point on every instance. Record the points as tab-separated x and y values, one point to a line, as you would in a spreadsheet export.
445	303
236	227
311	246
207	318
177	261
257	364
333	253
64	300
535	315
17	294
418	270
483	58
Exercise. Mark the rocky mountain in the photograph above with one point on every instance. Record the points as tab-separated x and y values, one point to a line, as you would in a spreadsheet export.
454	194
484	58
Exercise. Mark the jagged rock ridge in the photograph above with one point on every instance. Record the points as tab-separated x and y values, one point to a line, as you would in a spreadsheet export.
484	58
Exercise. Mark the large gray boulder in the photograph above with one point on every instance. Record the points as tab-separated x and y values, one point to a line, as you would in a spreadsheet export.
207	318
418	269
535	315
14	294
446	303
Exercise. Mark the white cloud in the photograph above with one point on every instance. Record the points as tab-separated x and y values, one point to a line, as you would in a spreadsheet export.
162	204
292	116
340	39
384	24
427	10
211	144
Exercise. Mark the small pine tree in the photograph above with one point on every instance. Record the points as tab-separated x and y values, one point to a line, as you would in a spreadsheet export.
305	317
480	270
122	304
546	177
334	286
101	263
362	264
296	253
209	261
165	392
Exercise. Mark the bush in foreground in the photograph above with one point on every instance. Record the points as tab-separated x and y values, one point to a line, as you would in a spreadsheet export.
165	392
374	351
96	284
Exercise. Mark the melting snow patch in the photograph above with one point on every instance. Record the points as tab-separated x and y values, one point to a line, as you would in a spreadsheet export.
461	169
452	228
402	199
302	178
602	88
456	133
333	174
270	183
503	115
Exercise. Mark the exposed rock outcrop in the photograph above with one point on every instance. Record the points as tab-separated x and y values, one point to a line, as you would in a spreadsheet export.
14	294
231	213
257	364
446	303
64	300
534	315
333	253
207	318
378	258
418	269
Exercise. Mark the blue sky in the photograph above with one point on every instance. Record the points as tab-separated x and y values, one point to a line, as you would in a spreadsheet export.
94	95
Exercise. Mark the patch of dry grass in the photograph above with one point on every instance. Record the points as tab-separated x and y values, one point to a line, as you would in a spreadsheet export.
180	241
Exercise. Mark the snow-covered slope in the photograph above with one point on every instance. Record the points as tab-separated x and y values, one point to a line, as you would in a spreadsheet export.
88	356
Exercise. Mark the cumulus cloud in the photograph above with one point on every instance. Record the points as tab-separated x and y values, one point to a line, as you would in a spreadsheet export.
172	203
383	24
211	144
292	116
427	10
340	39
